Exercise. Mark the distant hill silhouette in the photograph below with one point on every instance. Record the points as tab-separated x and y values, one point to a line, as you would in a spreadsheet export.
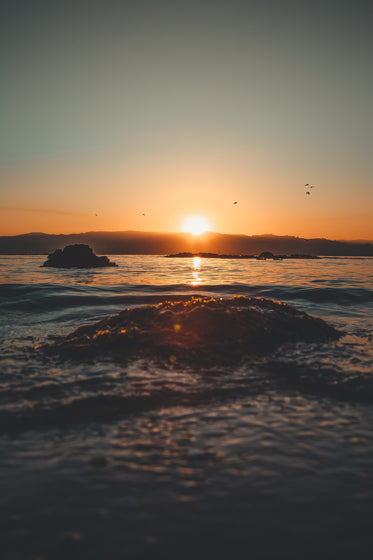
156	243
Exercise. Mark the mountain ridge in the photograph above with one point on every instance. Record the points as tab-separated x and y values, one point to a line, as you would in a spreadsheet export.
158	243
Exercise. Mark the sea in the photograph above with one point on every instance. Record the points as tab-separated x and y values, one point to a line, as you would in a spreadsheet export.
269	459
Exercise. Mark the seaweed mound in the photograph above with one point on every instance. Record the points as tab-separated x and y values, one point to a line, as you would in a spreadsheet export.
199	331
76	256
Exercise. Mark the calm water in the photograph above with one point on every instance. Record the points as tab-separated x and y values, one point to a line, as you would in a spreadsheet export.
270	460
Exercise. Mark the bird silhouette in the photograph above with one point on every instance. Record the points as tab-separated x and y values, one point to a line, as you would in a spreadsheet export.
308	192
235	202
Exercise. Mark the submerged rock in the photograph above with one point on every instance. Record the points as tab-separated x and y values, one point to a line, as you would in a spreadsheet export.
77	256
199	331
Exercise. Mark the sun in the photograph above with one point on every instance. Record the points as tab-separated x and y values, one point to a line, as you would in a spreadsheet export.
195	225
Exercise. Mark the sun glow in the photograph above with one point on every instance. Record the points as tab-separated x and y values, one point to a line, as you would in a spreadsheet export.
195	225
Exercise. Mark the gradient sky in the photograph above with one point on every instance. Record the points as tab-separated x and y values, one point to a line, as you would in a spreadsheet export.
171	108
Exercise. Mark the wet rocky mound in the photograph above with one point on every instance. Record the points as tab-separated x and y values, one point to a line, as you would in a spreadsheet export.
77	256
199	331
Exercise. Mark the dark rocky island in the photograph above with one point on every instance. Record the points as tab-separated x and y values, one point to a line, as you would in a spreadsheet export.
263	256
209	256
76	256
197	331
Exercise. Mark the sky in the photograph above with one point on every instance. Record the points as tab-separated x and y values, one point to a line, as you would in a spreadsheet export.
133	115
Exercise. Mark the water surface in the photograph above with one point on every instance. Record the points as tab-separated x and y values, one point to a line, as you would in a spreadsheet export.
271	459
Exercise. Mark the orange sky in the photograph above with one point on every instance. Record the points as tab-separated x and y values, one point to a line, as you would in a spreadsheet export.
56	196
185	109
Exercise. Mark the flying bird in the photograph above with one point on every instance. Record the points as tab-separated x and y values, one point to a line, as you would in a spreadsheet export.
235	202
310	187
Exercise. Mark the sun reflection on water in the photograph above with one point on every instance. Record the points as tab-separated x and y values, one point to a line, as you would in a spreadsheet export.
196	263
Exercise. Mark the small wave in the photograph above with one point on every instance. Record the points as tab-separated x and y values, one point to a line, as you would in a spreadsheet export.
340	296
195	331
39	298
48	297
323	381
107	406
54	389
81	410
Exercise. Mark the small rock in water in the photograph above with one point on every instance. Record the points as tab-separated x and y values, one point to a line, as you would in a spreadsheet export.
76	256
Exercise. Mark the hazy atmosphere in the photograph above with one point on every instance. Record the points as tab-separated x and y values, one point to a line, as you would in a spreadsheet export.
135	115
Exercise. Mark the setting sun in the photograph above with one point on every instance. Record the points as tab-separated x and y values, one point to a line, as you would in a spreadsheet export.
195	225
